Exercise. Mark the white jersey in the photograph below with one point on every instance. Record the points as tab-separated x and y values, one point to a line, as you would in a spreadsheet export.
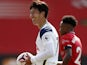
47	43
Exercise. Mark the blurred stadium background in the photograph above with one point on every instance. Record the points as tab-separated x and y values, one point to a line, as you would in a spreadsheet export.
17	33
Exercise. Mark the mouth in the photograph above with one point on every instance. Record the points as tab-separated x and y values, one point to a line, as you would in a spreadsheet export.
33	19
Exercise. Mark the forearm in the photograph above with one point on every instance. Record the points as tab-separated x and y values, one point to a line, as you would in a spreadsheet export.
49	52
42	56
66	59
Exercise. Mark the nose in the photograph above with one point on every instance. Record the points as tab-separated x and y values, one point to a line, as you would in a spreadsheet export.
31	16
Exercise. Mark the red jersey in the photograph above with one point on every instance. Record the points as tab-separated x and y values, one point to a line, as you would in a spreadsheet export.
74	42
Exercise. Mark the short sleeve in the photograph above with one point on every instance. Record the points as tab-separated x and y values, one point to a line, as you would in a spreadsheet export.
66	43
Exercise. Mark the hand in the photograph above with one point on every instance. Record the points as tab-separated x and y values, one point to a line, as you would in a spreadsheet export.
25	59
28	61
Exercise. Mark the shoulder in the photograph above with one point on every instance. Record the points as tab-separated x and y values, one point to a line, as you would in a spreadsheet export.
45	30
68	36
67	39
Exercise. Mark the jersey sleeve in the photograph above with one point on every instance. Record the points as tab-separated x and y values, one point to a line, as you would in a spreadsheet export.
66	43
49	50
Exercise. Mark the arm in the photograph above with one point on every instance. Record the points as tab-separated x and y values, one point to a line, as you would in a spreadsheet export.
49	49
68	55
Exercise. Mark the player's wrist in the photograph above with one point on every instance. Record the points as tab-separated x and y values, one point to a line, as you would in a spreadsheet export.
33	59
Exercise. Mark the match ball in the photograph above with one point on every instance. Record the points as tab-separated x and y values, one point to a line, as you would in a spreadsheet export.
22	57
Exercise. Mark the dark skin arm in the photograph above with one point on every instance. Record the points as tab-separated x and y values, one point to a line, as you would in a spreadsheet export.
68	55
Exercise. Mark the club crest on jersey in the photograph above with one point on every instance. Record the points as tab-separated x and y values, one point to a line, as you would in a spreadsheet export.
46	38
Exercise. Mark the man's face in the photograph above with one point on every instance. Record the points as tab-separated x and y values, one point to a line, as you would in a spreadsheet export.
35	15
64	28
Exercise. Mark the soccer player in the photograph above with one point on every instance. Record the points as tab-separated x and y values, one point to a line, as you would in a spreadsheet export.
71	47
47	41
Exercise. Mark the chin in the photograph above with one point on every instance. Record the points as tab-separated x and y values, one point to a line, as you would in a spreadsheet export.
34	23
62	33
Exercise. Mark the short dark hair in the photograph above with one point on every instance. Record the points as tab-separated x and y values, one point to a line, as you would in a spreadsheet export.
41	6
69	19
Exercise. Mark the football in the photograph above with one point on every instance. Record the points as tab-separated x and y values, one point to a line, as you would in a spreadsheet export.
24	58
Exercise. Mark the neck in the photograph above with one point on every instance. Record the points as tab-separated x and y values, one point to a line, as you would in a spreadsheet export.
67	32
41	23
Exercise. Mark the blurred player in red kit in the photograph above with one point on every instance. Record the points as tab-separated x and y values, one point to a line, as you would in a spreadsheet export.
71	47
